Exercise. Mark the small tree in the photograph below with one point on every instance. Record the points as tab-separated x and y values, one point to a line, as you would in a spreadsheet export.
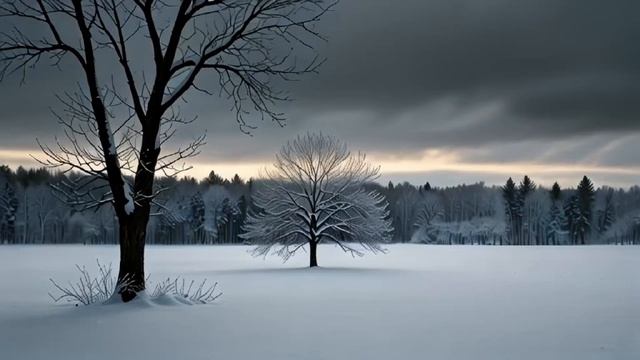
316	194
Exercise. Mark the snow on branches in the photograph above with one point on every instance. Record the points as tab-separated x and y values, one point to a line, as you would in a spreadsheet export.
316	193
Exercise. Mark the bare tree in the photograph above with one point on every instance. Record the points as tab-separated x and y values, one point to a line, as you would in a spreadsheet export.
46	209
244	43
314	194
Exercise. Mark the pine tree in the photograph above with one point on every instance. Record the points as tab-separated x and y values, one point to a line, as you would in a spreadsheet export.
237	180
556	218
197	217
526	187
214	179
510	196
585	198
9	203
572	218
555	192
554	225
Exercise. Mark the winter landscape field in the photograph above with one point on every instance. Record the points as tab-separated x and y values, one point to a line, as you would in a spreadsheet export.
319	180
416	302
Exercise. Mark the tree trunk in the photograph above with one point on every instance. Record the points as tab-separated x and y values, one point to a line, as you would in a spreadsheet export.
133	226
131	277
313	249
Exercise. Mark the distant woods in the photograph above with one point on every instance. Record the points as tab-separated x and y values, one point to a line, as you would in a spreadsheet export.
213	211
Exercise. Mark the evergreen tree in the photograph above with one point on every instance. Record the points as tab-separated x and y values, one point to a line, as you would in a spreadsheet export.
427	187
577	224
555	192
197	218
554	225
572	214
214	179
9	204
527	186
510	196
556	219
523	220
237	180
586	197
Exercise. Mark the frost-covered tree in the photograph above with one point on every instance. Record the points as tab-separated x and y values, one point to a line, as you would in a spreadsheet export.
577	224
429	213
525	219
120	119
535	217
511	209
46	208
315	194
219	207
404	210
555	217
196	218
606	213
585	197
9	206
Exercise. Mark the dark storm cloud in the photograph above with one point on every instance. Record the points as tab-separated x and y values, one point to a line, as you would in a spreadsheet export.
566	64
410	74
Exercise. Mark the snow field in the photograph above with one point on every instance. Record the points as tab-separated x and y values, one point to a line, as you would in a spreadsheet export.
417	302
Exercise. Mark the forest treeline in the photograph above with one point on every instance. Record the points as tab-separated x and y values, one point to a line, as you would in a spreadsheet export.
213	210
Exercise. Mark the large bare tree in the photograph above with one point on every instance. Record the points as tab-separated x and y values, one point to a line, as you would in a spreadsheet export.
118	120
317	193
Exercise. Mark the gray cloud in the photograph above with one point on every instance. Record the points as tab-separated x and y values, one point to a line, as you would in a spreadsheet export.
507	78
568	64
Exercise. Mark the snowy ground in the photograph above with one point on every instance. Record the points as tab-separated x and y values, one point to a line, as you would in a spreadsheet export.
417	302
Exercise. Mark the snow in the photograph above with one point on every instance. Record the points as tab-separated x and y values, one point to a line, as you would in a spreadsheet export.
157	142
129	207
176	83
112	143
417	302
197	3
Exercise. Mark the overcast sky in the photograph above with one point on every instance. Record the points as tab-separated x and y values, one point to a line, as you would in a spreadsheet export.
446	91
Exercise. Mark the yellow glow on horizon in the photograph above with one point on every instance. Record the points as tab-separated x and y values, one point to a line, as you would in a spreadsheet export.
15	155
433	160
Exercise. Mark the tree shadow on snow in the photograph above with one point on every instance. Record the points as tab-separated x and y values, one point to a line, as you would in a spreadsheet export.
304	271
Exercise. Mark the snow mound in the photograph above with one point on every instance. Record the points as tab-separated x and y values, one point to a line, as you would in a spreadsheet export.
144	299
104	289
